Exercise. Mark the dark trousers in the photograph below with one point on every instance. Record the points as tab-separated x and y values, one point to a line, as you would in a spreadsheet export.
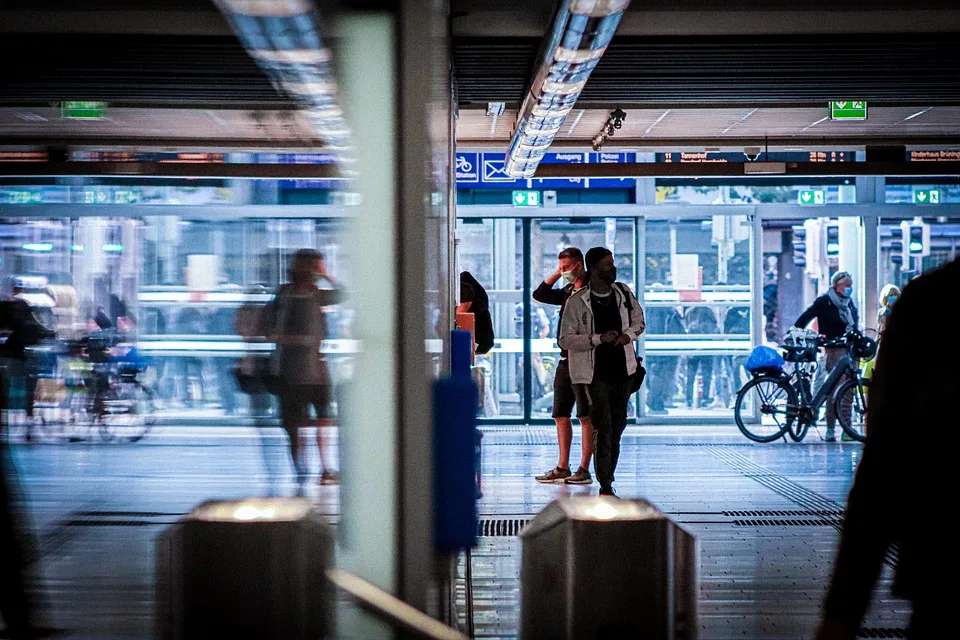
705	364
608	411
16	608
662	382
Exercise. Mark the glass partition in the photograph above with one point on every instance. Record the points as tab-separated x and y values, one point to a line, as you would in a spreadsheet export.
492	250
548	238
697	298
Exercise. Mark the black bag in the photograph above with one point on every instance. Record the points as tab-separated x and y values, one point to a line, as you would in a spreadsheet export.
636	380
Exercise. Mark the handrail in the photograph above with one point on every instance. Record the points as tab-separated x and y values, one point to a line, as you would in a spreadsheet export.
383	605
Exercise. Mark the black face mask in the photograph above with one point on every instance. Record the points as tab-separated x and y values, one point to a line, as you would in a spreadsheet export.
609	276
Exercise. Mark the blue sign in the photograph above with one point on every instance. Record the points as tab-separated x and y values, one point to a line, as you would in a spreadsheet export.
561	183
468	167
486	171
604	157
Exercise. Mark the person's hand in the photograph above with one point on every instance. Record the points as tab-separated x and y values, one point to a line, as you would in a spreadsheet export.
624	340
609	337
833	629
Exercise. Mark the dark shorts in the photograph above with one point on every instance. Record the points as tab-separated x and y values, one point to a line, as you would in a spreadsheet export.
296	400
566	394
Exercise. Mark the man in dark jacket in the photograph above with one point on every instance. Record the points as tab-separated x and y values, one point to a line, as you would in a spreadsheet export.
835	314
565	393
901	477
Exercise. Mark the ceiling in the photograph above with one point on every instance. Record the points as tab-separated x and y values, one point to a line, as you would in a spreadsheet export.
167	127
699	72
705	126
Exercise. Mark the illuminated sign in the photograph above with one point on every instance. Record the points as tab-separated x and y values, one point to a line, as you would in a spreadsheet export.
811	197
940	155
73	110
38	247
926	196
848	110
526	198
712	157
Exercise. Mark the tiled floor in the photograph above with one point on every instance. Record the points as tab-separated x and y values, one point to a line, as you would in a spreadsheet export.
97	509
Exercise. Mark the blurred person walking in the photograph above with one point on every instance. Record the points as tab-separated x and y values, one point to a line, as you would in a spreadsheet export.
599	326
571	270
835	314
17	608
900	476
295	321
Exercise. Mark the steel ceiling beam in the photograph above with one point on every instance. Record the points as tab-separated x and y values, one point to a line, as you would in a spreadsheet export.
748	169
223	171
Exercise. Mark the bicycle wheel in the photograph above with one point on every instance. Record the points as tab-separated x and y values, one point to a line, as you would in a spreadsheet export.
128	412
854	423
777	401
72	421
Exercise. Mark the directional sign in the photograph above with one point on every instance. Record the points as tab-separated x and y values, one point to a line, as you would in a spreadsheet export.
83	110
848	110
526	198
811	197
926	196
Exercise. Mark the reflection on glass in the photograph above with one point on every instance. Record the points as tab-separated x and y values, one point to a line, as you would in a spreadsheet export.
492	251
547	239
697	299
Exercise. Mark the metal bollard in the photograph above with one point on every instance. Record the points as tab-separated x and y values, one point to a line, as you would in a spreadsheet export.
597	567
251	568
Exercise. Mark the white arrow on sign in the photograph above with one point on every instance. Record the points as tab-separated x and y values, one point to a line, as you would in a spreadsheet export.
921	196
841	105
805	196
519	198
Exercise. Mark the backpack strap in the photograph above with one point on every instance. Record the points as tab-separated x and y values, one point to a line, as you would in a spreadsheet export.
626	301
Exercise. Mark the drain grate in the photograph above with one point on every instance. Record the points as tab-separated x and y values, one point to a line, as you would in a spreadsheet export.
874	632
783	514
805	522
500	527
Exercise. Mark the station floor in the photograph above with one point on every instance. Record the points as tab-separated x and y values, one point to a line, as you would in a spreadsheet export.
766	518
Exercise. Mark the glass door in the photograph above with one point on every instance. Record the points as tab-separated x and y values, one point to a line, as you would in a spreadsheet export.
548	237
697	298
492	251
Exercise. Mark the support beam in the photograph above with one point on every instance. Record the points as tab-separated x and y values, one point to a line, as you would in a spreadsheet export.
748	169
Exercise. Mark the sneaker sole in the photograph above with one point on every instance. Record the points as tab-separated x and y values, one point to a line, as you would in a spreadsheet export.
553	481
590	481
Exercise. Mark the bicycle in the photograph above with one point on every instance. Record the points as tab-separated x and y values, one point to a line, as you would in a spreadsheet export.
787	404
100	392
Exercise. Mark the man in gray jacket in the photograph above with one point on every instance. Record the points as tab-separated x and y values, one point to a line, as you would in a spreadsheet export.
599	326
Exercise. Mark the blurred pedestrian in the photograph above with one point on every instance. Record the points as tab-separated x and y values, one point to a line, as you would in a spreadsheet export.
296	323
901	477
888	297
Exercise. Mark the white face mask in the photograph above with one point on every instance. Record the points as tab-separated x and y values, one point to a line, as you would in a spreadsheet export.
569	277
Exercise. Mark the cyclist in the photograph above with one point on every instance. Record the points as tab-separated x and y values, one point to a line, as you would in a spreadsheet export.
835	314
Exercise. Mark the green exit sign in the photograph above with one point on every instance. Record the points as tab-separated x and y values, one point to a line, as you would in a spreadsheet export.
812	196
926	196
526	198
83	110
848	110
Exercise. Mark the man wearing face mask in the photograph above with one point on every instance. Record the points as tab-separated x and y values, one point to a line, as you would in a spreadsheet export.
836	314
599	326
565	394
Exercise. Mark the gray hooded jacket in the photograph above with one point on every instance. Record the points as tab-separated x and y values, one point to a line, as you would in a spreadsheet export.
577	335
